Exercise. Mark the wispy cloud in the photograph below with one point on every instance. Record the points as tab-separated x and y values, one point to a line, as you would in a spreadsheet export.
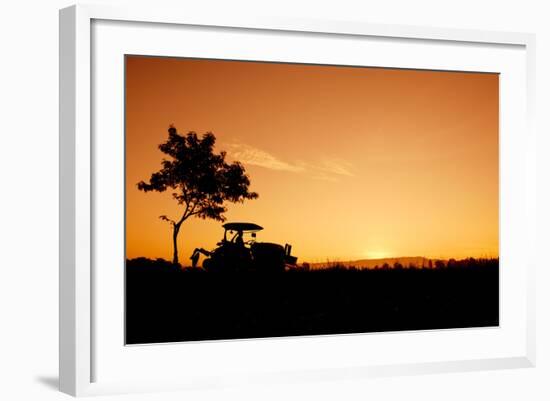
336	166
257	157
328	169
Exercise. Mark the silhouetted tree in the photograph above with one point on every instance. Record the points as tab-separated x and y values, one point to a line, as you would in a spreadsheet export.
202	180
397	265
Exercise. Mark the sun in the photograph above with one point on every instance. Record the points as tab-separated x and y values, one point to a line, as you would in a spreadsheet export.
377	254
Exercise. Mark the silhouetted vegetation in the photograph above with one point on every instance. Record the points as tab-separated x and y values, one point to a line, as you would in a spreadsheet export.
166	303
202	180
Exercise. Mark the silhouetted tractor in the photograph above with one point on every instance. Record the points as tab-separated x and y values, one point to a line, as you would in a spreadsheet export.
235	253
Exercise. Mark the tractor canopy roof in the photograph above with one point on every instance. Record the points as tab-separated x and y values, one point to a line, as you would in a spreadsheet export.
242	227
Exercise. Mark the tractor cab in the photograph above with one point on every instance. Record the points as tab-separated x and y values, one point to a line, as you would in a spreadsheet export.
234	233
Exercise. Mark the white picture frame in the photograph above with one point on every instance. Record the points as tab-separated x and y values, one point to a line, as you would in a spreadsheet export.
78	369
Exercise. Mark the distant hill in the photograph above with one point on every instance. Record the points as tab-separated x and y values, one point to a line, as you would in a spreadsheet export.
418	261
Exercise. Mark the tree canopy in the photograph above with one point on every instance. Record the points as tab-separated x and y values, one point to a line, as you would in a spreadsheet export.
202	180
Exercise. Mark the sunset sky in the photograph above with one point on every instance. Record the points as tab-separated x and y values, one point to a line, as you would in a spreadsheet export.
349	162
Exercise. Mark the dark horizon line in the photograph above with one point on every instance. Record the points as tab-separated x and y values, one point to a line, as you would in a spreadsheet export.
409	257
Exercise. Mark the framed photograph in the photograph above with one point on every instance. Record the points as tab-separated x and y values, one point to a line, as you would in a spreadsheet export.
272	200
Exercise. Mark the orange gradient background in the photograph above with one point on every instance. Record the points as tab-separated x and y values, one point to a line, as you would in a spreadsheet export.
349	162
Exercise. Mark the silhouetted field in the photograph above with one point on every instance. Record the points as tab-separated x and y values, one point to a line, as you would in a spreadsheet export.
167	304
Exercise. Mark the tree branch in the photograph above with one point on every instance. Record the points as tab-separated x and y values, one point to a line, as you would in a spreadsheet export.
163	217
185	214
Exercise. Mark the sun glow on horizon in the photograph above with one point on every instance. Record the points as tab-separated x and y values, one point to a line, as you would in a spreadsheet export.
378	254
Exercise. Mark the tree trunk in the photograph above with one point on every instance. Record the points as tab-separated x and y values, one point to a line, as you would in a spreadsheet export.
175	259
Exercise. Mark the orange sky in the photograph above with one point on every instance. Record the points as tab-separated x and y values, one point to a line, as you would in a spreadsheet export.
350	163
